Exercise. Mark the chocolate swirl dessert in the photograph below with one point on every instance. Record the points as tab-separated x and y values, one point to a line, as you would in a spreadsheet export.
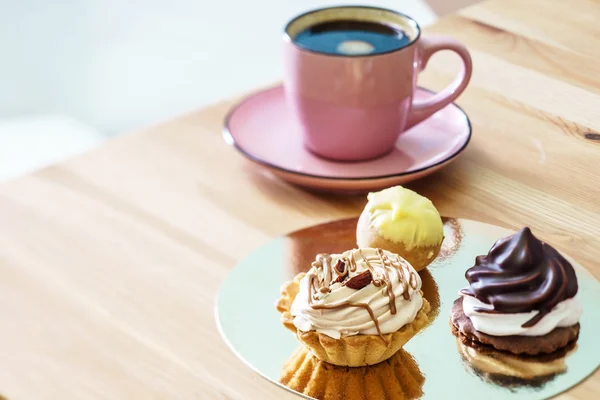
521	274
520	298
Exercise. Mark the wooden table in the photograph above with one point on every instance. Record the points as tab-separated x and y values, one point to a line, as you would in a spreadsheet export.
110	262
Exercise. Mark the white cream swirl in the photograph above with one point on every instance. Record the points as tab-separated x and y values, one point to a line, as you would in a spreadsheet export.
344	318
566	313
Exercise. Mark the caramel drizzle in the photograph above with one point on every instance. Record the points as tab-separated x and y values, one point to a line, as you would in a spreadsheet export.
352	263
381	277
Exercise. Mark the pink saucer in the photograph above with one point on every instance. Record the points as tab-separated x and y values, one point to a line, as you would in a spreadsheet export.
264	130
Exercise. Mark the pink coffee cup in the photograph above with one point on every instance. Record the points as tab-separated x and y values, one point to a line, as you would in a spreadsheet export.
354	107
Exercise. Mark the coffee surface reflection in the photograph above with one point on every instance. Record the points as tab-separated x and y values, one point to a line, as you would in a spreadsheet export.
352	37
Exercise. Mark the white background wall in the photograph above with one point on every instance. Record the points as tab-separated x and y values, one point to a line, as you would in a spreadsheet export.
114	65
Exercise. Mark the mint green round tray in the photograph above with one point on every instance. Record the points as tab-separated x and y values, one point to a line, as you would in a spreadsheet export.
250	325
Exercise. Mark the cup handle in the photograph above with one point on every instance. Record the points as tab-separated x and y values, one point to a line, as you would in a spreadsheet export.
422	109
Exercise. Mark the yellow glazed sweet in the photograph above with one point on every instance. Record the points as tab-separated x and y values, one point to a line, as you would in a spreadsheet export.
401	215
403	222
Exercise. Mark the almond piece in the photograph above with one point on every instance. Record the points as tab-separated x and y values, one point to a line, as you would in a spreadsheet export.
341	270
359	281
340	267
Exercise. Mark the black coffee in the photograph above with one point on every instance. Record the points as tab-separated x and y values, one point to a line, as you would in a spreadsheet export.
348	37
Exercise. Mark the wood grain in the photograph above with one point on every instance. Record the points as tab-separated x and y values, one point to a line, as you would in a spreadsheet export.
110	262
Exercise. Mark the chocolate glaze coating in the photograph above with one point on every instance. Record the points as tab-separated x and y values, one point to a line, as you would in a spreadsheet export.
521	274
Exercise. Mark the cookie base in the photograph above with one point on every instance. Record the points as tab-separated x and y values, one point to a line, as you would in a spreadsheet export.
463	328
